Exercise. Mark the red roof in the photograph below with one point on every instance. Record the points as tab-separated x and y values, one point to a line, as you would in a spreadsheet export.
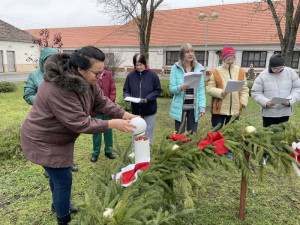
237	24
77	36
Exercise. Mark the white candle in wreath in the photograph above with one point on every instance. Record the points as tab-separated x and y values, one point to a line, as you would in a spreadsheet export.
142	149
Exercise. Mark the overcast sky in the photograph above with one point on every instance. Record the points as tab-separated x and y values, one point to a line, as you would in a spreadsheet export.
35	14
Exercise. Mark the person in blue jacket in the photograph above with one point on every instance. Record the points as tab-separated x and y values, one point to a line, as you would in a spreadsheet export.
143	83
188	102
34	80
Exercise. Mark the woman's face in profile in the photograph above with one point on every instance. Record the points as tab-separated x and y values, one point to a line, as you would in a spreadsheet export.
92	74
189	55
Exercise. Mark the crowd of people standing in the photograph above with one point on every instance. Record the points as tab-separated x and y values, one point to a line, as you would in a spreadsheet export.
74	94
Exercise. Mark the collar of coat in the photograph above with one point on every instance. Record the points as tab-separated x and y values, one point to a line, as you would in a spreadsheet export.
66	80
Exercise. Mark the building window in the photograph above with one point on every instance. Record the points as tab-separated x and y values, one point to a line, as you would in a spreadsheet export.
295	59
68	51
200	57
258	59
172	57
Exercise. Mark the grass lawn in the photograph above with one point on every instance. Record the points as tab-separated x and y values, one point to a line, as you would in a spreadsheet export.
25	195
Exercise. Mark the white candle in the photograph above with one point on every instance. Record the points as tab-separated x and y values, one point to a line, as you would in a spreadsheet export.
141	148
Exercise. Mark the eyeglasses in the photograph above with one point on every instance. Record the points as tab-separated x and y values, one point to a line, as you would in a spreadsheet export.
97	74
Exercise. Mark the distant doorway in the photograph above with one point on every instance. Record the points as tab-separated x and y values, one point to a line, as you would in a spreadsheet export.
1	62
11	61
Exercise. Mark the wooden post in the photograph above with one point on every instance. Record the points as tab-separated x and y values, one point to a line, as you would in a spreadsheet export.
243	194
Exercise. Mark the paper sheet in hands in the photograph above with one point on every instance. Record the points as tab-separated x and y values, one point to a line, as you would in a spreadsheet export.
234	85
133	99
192	79
277	100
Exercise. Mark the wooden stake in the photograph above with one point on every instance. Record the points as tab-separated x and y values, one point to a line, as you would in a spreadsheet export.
243	194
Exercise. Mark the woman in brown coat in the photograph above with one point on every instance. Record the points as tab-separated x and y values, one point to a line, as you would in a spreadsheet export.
61	113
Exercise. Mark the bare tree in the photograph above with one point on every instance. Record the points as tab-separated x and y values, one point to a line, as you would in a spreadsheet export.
112	62
43	40
140	11
292	19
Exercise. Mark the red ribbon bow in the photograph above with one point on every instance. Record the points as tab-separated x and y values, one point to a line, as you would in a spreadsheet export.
217	140
179	137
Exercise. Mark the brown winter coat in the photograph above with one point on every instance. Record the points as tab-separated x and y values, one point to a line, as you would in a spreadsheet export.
60	113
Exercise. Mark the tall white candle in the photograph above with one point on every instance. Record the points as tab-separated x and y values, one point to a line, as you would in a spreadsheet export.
141	148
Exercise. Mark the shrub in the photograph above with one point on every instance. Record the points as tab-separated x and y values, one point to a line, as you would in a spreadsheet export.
10	141
165	89
6	86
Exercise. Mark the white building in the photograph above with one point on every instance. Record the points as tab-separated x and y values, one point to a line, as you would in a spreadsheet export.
16	47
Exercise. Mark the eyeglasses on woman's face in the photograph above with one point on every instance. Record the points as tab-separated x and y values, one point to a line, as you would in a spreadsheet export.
97	74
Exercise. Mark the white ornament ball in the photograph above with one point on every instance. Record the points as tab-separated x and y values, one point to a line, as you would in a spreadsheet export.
250	129
298	145
175	147
108	212
140	124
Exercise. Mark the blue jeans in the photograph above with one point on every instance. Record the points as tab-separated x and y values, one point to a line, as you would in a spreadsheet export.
60	184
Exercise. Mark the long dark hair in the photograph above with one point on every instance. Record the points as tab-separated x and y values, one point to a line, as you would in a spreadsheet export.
83	58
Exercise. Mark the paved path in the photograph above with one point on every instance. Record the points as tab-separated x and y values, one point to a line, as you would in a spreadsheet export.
13	77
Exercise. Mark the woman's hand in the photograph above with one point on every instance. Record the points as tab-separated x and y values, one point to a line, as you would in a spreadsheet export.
201	114
224	93
122	125
270	104
184	87
129	116
287	104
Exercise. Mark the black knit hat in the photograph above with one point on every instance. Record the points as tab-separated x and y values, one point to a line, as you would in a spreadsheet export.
275	61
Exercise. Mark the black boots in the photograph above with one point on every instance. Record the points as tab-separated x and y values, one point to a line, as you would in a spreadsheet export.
64	220
73	208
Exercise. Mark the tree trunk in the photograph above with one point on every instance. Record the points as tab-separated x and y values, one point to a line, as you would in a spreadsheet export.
292	20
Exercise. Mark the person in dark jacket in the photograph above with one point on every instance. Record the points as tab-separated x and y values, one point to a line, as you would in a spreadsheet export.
33	82
61	113
107	85
143	83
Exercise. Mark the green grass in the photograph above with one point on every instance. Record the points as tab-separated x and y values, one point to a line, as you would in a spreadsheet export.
25	196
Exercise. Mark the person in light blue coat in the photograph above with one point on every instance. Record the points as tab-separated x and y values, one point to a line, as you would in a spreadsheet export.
187	102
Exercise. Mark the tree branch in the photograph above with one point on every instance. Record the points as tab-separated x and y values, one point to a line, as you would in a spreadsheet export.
277	21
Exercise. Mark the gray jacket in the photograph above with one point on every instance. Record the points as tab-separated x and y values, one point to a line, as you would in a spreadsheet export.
285	84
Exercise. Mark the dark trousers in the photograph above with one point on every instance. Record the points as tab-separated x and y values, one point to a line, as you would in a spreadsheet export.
189	122
268	121
220	119
60	184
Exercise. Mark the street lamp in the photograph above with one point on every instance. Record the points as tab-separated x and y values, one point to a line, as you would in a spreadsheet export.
201	17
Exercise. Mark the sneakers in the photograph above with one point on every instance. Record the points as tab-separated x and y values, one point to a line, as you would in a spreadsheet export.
110	155
94	158
73	208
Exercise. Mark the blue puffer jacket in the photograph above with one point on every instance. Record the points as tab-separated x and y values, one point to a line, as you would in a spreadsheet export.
36	77
145	85
176	80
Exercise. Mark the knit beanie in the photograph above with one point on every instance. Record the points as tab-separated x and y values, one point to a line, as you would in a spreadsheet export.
228	51
275	61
